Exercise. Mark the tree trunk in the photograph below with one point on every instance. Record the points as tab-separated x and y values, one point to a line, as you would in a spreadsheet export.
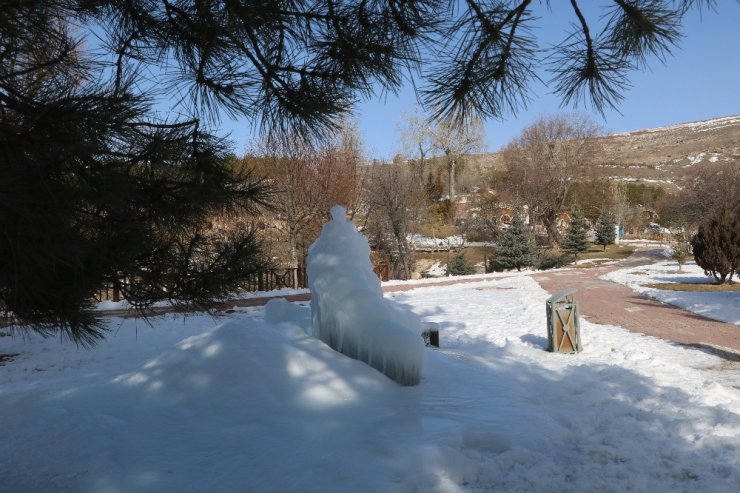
549	220
292	238
451	162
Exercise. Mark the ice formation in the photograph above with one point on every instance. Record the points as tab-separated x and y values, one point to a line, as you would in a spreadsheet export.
348	309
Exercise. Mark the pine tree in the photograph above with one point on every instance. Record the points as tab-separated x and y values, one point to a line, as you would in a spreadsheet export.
576	240
459	266
94	191
717	245
604	232
516	249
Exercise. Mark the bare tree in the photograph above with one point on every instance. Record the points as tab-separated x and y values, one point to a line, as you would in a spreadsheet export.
485	221
707	189
307	182
349	151
454	141
416	140
394	199
545	161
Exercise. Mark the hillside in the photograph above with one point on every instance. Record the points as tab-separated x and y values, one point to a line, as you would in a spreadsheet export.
657	154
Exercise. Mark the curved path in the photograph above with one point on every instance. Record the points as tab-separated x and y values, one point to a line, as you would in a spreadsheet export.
607	302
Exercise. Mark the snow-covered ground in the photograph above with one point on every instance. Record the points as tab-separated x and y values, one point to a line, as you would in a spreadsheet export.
250	403
425	243
722	305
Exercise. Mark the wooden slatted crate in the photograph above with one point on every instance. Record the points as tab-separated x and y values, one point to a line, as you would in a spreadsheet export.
563	327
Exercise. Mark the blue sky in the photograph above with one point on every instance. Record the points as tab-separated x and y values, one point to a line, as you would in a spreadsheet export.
700	81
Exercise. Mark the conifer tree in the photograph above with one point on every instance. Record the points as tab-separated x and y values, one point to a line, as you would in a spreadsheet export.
604	231
95	192
717	245
576	239
516	249
459	266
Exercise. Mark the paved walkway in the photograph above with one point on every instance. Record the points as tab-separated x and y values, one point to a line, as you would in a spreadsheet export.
606	302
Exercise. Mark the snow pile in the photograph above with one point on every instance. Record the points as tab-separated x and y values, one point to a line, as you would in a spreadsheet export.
348	309
719	305
425	243
696	159
436	270
656	228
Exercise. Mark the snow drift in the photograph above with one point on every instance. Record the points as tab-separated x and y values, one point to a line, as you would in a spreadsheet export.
348	310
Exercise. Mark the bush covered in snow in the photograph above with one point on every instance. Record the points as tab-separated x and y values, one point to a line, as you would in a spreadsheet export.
348	309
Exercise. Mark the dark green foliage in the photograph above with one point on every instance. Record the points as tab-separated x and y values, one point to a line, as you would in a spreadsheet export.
459	266
576	239
549	260
605	233
516	249
717	245
93	191
299	66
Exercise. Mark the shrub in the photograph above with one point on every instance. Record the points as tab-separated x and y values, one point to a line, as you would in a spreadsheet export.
552	260
681	246
459	266
717	245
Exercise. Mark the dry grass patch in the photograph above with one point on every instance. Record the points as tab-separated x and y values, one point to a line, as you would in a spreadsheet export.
438	230
472	254
694	287
590	264
613	252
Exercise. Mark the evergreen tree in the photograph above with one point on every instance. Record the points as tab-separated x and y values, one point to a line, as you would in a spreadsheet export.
605	234
717	245
95	192
459	266
516	249
576	240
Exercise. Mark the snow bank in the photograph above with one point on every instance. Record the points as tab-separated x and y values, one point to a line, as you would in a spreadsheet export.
433	244
348	309
718	305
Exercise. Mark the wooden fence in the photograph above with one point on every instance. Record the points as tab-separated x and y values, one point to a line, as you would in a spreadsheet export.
268	280
293	277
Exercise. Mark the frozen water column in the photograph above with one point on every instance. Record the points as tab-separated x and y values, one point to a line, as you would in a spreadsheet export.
349	311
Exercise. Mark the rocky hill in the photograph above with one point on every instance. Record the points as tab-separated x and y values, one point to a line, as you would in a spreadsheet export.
658	155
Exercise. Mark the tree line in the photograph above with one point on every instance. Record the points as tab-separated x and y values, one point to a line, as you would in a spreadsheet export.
548	183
